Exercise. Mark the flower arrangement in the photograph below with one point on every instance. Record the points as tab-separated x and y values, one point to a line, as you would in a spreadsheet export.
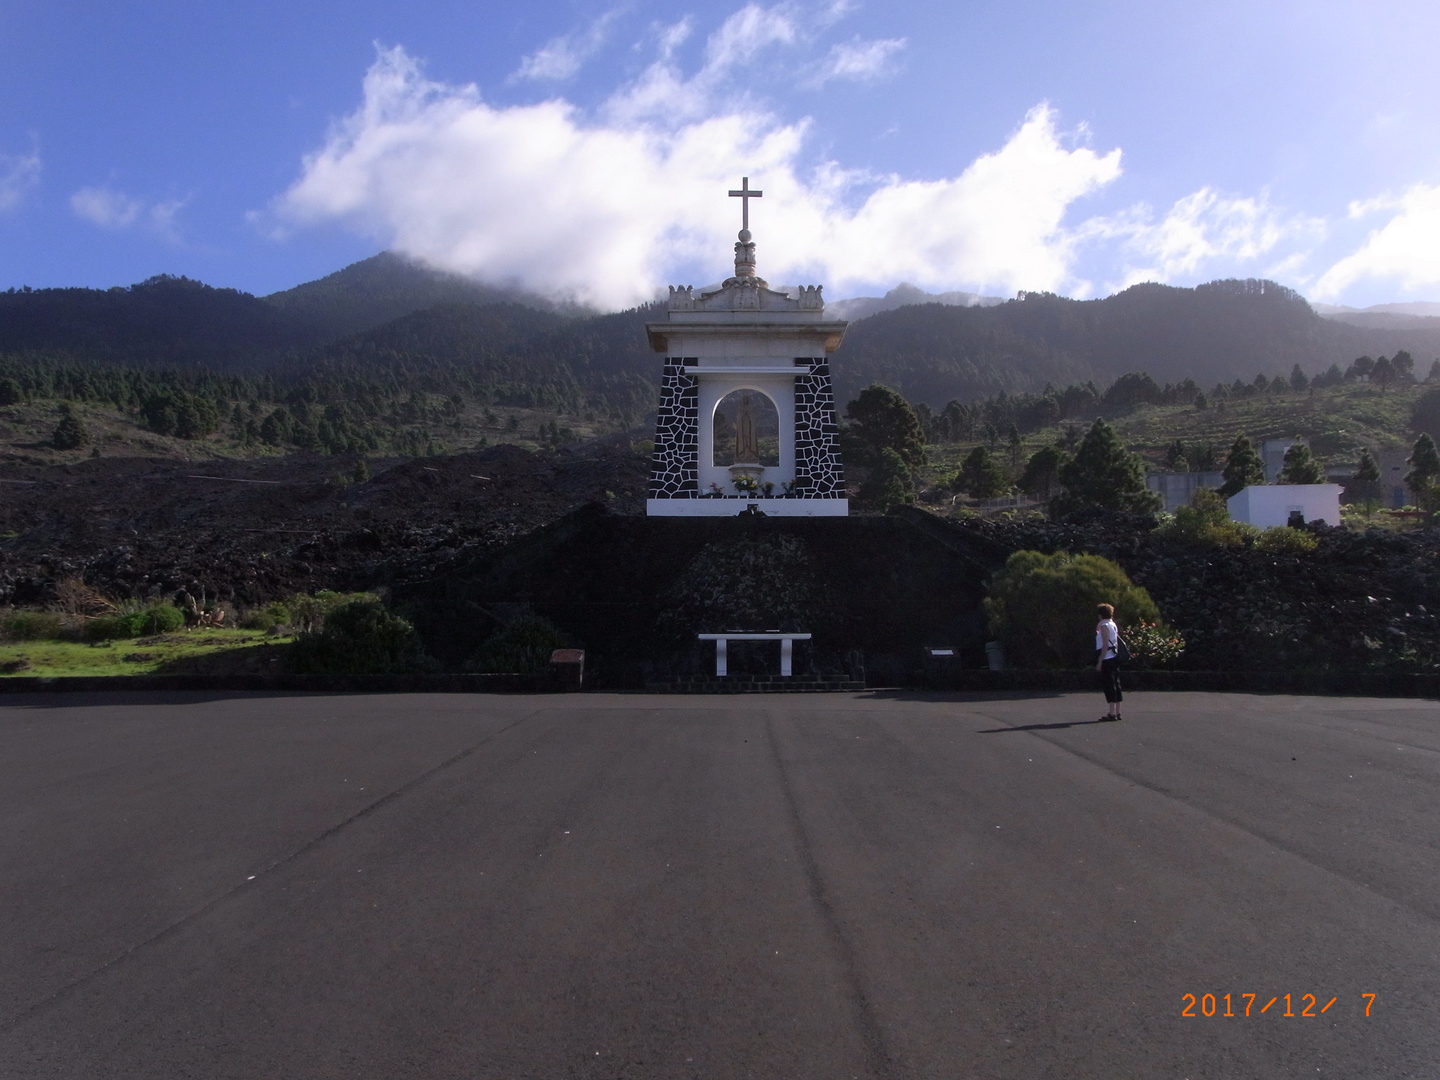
715	492
1154	645
746	485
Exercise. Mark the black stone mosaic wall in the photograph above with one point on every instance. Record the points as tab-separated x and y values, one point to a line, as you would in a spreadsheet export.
674	473
819	473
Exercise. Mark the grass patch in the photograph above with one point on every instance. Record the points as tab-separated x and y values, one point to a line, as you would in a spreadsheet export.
199	652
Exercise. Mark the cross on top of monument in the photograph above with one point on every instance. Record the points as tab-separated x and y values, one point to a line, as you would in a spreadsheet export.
745	195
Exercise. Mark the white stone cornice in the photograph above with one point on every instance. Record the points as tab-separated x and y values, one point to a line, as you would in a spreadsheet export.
726	337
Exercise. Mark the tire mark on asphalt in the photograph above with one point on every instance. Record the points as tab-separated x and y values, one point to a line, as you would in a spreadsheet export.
878	1057
57	996
1216	815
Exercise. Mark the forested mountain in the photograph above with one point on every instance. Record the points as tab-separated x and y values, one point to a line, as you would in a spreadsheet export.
165	322
1213	333
508	353
862	307
387	321
387	286
175	322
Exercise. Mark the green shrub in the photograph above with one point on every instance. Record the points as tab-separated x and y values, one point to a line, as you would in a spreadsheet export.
157	619
276	613
70	432
1283	540
1205	523
31	625
359	638
1043	606
1152	645
524	646
119	624
304	611
163	619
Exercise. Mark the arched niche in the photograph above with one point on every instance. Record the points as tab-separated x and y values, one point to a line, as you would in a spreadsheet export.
731	414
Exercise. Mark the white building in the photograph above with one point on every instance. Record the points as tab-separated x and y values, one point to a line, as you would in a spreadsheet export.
1272	504
737	356
1272	453
1177	489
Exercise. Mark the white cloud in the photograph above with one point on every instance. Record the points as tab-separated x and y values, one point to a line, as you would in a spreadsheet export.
18	174
106	208
748	31
662	94
562	57
1205	232
999	223
606	212
115	210
673	36
161	218
1405	249
858	61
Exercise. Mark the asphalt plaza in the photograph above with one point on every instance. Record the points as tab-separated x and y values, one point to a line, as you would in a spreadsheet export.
839	885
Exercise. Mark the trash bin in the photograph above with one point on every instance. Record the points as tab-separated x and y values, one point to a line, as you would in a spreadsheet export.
567	669
995	655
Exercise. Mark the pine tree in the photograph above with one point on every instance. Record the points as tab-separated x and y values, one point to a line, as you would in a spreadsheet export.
1364	485
1042	472
1301	466
1383	372
1104	474
70	432
881	419
980	475
276	428
1243	467
1424	462
888	484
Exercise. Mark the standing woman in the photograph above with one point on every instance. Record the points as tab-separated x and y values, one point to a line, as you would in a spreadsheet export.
1107	662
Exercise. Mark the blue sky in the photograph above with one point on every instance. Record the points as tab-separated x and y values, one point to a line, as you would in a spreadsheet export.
584	149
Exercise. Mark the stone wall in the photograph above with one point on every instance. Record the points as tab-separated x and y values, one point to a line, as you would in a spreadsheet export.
818	471
677	435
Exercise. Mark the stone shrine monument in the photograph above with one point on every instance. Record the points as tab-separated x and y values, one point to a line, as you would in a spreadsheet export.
747	414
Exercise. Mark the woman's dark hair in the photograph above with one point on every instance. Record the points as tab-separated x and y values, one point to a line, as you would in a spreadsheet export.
1107	611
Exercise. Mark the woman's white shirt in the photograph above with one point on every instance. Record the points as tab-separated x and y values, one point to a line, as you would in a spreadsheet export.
1106	636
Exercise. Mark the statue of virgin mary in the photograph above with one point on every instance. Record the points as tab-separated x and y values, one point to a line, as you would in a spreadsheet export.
747	446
